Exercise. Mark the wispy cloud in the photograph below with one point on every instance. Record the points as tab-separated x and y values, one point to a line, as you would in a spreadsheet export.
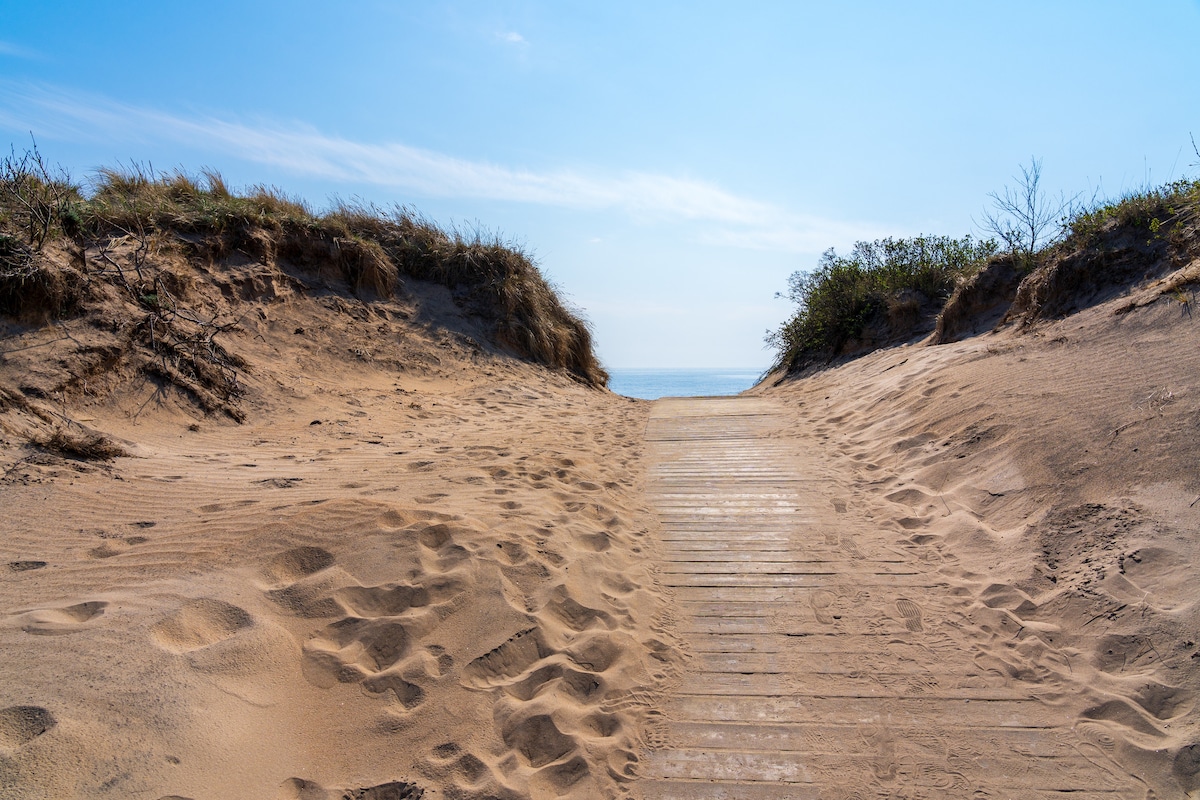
17	51
511	37
731	220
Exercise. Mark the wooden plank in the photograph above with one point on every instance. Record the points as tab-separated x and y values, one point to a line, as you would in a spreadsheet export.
726	765
827	664
792	566
910	711
725	684
726	790
789	595
794	580
784	699
824	738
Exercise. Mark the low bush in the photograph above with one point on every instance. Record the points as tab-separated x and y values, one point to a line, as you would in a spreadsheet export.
1157	213
1050	266
886	285
1109	247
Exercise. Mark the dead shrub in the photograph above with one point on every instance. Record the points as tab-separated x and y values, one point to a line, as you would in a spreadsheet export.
83	446
34	288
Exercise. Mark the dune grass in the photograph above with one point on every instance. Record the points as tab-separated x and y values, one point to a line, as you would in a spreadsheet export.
852	304
370	249
1159	212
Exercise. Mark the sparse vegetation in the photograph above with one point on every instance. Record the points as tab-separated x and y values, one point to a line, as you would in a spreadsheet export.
1112	245
1052	258
882	290
1024	218
112	230
1157	213
82	446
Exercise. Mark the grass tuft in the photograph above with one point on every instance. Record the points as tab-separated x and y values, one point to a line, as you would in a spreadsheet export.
80	446
133	210
883	290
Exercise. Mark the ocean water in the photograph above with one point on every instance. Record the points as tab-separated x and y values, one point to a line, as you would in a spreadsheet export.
651	384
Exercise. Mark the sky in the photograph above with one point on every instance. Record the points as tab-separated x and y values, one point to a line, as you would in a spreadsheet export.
668	164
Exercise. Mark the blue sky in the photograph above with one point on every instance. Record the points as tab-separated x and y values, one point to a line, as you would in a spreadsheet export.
669	164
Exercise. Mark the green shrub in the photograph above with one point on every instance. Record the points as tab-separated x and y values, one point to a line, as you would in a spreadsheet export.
1155	212
836	302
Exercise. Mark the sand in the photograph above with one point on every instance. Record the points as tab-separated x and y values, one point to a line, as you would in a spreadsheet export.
1051	475
423	567
418	565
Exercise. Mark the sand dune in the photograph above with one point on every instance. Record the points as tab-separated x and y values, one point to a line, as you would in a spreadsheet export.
291	609
398	562
427	568
1050	475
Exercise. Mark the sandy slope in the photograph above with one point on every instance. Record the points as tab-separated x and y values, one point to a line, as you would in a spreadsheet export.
1053	475
417	565
422	565
435	587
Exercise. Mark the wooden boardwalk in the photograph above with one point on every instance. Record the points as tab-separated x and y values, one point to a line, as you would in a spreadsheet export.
823	666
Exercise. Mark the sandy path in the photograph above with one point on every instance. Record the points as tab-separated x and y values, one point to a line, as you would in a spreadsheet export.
831	659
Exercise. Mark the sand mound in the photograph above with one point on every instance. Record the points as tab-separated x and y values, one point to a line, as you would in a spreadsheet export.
1049	474
489	624
396	562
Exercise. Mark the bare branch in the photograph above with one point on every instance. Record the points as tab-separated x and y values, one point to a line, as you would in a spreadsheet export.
1023	218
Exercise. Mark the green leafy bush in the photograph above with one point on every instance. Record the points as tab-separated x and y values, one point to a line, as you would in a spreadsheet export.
844	295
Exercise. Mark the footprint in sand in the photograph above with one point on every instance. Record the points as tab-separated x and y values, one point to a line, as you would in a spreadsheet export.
574	615
911	613
822	603
539	740
881	743
352	649
507	662
394	790
525	664
372	646
302	789
22	724
658	735
1095	734
104	551
409	694
200	623
849	547
58	621
473	774
298	586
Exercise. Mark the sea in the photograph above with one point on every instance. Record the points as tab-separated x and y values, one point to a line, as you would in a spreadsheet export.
651	384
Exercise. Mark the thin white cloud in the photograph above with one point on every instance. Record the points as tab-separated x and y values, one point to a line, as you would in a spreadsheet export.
17	51
731	220
799	234
511	37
